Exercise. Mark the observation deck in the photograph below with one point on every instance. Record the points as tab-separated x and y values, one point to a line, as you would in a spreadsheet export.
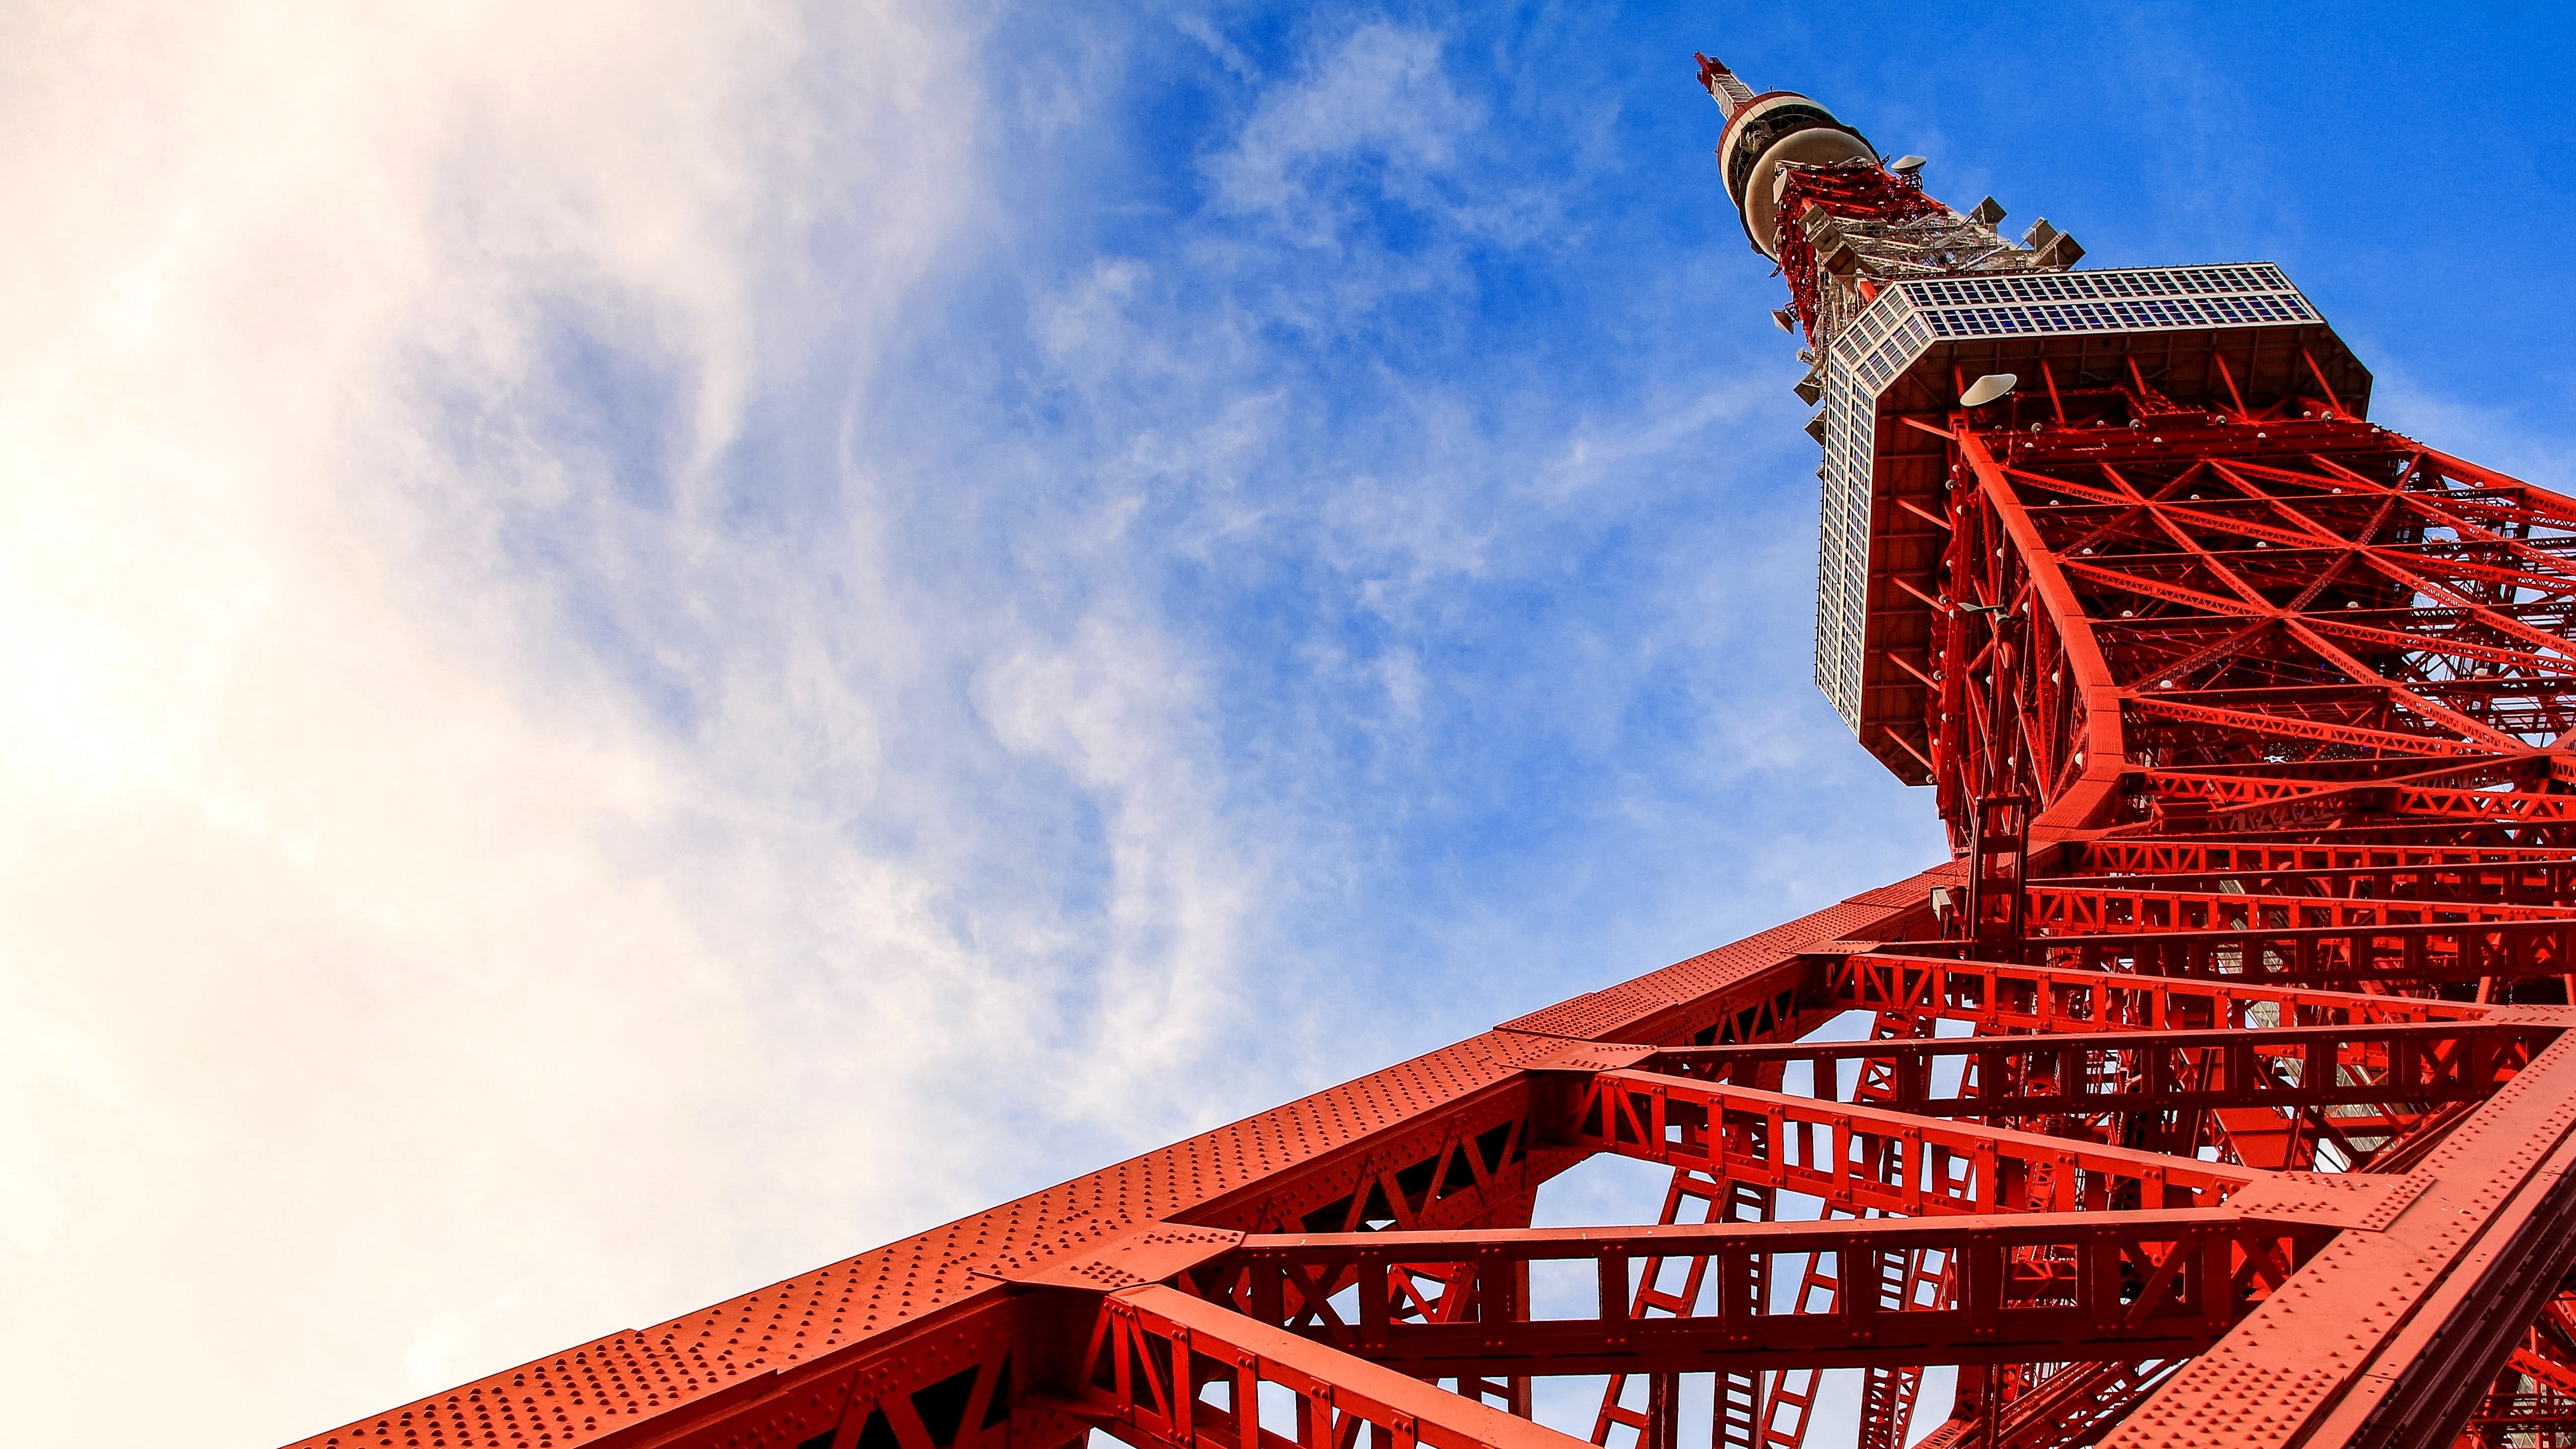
2234	337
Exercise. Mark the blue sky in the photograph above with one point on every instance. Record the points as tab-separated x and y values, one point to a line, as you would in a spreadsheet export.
658	646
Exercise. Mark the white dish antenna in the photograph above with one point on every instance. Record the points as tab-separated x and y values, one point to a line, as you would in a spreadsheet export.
1907	165
1987	388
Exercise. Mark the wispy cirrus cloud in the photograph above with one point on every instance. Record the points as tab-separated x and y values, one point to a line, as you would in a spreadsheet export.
472	826
641	660
1372	109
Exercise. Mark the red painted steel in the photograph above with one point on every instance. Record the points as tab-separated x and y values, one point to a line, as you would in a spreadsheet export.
2218	1093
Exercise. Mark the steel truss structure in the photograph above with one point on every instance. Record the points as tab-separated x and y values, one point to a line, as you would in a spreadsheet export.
2220	1091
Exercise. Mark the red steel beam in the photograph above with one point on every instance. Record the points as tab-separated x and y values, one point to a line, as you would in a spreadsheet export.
2068	910
871	1341
2178	1071
2183	855
1819	1149
2389	1337
830	1347
1159	1350
2144	1285
1997	996
2338	954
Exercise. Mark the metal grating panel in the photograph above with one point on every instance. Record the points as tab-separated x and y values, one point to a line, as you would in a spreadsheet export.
1842	562
1908	320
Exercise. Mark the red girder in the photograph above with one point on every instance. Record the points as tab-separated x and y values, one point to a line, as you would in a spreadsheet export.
2182	855
2523	885
934	1326
1144	1339
2152	1283
2058	910
1827	1150
1753	1408
2283	1068
2075	1405
2533	1402
2004	997
2391	955
1655	1421
1859	191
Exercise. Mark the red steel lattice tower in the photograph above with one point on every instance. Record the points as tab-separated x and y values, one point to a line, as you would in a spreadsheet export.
2216	1092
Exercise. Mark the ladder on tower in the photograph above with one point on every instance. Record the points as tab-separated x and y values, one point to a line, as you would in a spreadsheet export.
1771	1410
1916	1278
1654	1421
1738	1412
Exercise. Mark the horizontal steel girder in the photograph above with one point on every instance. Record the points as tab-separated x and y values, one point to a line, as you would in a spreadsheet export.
2135	1071
2035	1286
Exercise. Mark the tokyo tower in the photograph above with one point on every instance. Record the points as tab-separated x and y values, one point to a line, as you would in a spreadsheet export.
2216	1092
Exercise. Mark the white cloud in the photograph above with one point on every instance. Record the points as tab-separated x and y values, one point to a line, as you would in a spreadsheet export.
1115	713
2505	439
1204	31
1599	451
1380	92
434	926
1373	116
511	840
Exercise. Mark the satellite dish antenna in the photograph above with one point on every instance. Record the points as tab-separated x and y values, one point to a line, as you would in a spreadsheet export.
1987	388
1786	322
1907	165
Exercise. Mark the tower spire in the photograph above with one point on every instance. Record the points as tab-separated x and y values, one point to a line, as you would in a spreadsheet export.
1814	195
1722	85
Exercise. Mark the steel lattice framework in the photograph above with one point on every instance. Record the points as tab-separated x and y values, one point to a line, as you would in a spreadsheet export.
2218	1092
